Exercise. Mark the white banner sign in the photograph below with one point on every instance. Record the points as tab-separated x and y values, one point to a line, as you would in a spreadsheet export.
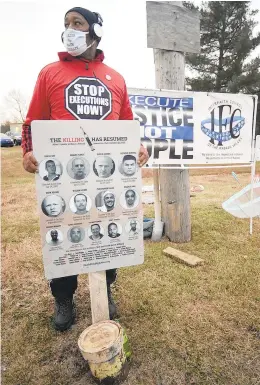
89	195
194	127
258	147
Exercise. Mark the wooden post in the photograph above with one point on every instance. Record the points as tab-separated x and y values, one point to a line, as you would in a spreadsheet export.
171	31
98	296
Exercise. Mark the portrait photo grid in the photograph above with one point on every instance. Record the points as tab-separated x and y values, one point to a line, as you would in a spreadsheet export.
89	195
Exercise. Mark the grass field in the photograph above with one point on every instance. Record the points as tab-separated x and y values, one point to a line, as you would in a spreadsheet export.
187	326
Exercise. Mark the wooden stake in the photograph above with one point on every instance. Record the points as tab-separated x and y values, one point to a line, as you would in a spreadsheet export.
98	296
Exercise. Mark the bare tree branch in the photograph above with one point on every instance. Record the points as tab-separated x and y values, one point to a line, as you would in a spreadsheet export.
17	105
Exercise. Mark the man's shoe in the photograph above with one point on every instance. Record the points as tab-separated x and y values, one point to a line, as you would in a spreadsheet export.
64	313
111	304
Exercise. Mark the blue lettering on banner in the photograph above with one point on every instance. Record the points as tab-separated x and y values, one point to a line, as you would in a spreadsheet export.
167	125
157	101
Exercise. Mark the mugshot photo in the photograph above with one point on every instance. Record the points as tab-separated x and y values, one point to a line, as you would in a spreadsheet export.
129	199
54	237
114	230
80	204
53	206
78	168
105	201
104	166
76	234
128	165
132	228
50	170
95	232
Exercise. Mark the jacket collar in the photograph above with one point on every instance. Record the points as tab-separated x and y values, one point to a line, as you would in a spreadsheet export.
65	56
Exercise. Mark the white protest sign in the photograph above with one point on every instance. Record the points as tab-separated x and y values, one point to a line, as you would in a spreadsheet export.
89	195
179	127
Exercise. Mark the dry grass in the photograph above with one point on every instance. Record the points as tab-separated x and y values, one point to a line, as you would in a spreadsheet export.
187	326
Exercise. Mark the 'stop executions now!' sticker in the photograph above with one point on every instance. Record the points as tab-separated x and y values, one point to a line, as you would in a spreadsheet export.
88	98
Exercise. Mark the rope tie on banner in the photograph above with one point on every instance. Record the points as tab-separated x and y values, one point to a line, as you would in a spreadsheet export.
222	136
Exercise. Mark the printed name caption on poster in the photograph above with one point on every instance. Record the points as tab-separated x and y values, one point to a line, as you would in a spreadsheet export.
99	253
166	125
88	98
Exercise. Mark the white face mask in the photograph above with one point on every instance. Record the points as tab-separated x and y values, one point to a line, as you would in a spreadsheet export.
75	41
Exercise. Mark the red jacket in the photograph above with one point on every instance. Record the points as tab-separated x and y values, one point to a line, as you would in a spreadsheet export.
77	89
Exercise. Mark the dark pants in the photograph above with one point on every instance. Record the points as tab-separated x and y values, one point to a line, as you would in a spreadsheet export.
66	286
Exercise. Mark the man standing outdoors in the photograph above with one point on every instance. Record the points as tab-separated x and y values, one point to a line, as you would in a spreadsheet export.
77	69
81	201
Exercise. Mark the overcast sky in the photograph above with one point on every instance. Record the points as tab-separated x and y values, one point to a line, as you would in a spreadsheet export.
30	39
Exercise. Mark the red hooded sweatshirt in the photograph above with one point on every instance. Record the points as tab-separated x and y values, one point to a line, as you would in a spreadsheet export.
75	88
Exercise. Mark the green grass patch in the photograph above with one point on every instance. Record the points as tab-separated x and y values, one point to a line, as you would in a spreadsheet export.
187	326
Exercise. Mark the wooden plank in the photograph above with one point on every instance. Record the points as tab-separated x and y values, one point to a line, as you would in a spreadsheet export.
180	256
98	296
172	27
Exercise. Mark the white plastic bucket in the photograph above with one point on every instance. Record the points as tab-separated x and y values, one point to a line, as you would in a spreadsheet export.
157	231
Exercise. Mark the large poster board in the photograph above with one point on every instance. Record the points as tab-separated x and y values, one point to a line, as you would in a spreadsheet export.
194	127
89	195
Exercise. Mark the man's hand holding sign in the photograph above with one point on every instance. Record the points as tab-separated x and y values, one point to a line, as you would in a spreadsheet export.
30	164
